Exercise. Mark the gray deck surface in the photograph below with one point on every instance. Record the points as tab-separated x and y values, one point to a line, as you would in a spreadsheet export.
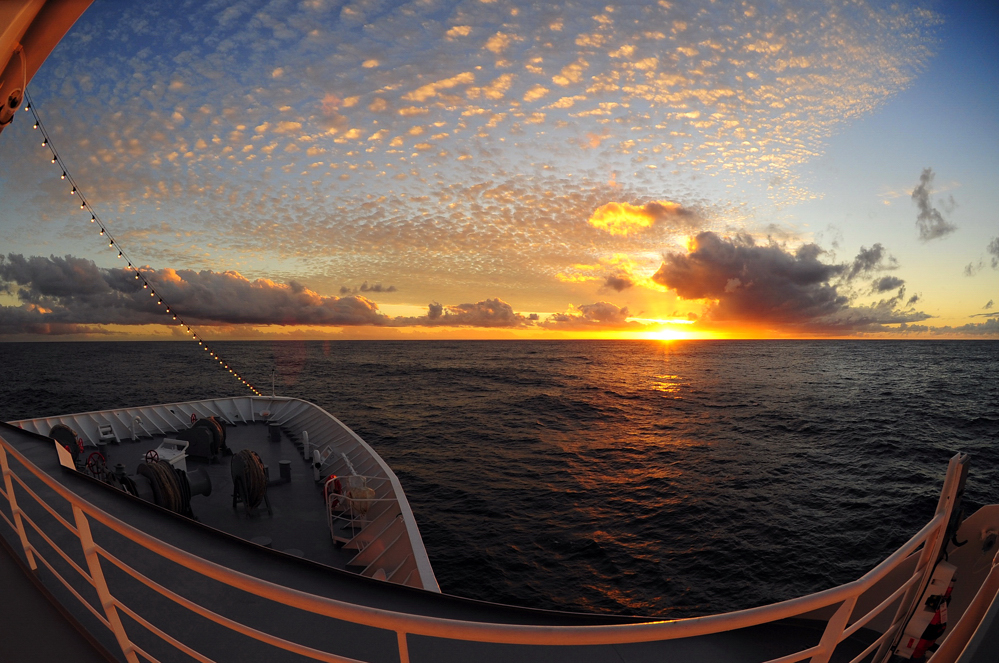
343	638
32	630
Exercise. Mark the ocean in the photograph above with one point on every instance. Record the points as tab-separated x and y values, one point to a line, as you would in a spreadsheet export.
658	478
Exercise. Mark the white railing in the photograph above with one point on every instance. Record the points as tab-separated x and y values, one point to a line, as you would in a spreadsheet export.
926	543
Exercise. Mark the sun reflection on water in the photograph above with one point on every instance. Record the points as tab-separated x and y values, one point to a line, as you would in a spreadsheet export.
667	384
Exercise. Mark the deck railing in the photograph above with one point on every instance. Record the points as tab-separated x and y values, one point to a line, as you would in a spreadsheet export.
839	626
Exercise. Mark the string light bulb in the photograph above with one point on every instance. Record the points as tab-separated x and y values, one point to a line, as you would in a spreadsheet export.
64	176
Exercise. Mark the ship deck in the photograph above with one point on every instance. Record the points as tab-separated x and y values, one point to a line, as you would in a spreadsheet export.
314	573
296	522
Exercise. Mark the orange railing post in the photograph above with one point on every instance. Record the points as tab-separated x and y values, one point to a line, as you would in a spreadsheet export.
101	585
15	511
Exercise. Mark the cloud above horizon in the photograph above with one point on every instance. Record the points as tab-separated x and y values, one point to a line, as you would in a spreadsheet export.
70	295
743	282
75	291
930	221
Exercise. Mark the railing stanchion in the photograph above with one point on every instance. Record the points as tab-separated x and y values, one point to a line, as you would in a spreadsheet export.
101	585
403	647
927	557
15	511
834	630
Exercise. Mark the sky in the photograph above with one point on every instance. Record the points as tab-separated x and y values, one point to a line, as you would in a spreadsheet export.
501	169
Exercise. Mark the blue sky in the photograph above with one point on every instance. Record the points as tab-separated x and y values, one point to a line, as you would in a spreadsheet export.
387	169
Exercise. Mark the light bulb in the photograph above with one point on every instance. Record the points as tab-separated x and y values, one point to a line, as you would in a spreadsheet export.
63	175
45	142
53	158
92	218
36	125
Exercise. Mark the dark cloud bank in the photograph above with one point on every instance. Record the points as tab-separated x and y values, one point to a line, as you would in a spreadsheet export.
769	286
69	295
58	294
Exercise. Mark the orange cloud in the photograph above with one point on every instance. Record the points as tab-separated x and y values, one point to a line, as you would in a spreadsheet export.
625	218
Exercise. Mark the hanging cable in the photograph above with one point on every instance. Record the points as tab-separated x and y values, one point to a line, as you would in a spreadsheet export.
122	254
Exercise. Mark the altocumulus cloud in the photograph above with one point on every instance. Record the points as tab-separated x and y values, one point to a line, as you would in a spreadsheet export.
70	291
768	284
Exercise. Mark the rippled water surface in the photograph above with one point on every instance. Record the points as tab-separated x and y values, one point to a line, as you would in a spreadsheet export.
673	479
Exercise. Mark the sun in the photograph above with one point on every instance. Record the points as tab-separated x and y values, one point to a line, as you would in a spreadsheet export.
667	334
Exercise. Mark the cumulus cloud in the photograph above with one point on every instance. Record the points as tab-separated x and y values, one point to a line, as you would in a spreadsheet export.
623	218
486	313
364	287
874	259
768	284
886	283
972	268
993	249
618	282
590	316
988	328
73	291
929	221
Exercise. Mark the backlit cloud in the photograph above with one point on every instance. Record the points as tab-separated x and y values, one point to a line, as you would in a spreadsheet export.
73	291
744	282
487	313
603	315
625	218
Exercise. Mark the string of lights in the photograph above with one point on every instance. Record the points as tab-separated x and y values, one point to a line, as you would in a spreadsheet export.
122	254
